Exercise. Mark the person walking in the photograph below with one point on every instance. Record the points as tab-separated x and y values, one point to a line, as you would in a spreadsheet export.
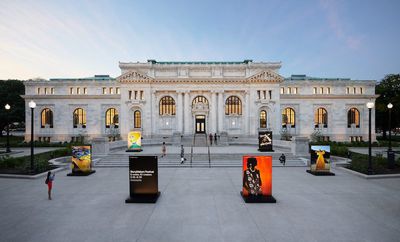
282	159
215	138
183	159
49	182
163	149
211	138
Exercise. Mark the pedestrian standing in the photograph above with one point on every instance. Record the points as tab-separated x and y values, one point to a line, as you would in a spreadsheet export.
282	159
163	149
215	138
211	138
183	159
49	182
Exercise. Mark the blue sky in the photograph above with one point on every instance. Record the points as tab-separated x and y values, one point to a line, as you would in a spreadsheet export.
356	39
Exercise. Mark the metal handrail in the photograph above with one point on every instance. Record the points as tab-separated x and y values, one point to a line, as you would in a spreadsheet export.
191	149
209	156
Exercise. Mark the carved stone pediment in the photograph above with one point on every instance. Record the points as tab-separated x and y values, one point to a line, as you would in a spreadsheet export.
266	76
133	76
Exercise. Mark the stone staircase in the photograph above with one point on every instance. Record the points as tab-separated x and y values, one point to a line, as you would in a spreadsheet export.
198	160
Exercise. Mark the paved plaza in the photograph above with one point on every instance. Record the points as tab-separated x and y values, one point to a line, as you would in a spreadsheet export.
201	204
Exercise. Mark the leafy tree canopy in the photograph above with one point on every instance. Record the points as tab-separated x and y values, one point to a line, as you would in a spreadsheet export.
10	92
389	91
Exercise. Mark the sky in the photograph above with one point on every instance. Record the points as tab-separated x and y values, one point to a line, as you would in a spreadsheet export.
357	39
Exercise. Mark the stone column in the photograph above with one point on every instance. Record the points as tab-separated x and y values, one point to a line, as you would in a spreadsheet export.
179	111
221	111
213	108
247	119
154	113
187	112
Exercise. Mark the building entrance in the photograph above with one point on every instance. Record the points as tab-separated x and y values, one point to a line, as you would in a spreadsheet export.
200	124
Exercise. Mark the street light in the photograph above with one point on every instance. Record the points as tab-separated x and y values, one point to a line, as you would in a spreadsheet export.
8	150
390	153
370	106
32	105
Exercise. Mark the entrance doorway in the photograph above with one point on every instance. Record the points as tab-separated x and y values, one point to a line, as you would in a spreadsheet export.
200	124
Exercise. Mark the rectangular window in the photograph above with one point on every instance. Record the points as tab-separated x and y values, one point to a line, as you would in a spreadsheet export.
321	90
71	90
264	94
347	90
314	90
328	90
141	95
135	95
45	91
78	90
270	94
104	90
361	90
84	90
130	95
38	90
111	90
258	94
354	90
52	90
117	90
282	90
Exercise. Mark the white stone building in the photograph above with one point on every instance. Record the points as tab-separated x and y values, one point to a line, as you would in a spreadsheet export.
183	98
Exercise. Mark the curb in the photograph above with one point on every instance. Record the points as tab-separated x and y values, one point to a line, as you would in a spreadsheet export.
369	176
31	176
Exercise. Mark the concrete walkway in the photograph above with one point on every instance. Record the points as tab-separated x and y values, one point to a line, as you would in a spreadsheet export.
201	204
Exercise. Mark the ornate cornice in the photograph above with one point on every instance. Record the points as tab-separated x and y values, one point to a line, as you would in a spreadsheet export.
327	96
114	96
134	77
266	76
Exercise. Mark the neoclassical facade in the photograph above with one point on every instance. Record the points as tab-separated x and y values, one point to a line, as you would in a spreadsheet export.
183	98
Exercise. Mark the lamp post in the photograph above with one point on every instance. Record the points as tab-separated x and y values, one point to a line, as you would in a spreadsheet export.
8	150
370	106
32	105
390	153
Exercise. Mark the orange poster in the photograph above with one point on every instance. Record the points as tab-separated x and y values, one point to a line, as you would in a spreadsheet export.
257	175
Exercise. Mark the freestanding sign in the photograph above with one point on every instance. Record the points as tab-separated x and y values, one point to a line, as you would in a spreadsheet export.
320	160
257	179
265	141
143	179
134	141
81	161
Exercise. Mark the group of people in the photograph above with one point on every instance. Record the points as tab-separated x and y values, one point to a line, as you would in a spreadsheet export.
213	137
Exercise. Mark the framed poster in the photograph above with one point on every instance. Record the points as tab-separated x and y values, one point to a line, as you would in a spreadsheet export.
265	141
134	141
320	163
257	179
81	161
143	179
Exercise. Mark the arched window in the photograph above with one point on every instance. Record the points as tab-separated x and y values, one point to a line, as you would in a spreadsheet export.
263	119
353	117
112	118
233	105
321	117
288	117
200	99
167	106
138	119
79	117
46	118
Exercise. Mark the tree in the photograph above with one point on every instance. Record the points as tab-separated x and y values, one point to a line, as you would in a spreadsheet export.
10	92
389	91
